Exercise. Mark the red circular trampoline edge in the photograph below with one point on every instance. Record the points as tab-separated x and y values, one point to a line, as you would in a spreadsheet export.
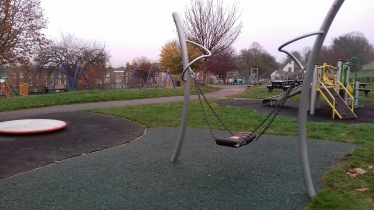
34	131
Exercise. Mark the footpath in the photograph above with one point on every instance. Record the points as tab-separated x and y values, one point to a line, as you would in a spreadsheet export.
75	107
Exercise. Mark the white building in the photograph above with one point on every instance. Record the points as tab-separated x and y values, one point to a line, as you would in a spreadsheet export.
290	67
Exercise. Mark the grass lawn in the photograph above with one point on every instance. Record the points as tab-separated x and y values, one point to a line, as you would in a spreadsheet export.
341	192
88	96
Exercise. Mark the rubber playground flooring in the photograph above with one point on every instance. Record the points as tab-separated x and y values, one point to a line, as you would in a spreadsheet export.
89	165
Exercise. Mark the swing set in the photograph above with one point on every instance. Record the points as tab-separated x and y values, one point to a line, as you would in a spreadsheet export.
151	75
78	69
244	138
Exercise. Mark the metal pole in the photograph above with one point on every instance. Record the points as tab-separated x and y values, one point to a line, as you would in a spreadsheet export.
304	101
187	86
314	90
346	77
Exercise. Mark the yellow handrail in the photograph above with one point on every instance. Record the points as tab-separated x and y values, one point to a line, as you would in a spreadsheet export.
328	69
333	98
348	93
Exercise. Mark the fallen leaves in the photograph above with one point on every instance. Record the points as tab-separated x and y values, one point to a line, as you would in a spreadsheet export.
354	172
369	200
362	189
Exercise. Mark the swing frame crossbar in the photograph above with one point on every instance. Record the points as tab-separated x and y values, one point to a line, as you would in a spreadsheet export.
304	101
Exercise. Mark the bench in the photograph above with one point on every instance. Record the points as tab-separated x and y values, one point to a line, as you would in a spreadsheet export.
59	87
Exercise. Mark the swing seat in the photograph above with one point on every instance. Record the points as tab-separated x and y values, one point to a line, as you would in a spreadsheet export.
240	139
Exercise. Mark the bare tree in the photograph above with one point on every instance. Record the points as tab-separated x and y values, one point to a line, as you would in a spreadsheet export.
21	22
143	64
257	57
211	24
222	62
288	59
69	49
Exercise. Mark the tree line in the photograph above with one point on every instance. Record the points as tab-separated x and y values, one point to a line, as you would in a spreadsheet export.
207	22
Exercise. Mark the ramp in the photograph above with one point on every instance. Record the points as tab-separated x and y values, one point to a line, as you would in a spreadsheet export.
274	100
340	107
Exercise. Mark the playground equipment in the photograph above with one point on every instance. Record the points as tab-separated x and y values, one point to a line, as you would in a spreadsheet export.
134	73
326	83
168	72
305	89
63	67
6	85
236	141
337	85
352	83
254	76
31	126
78	69
151	74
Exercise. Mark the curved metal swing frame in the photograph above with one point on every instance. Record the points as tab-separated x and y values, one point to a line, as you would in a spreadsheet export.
304	100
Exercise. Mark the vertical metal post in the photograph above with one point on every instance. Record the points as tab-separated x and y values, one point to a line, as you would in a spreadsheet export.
304	101
85	78
346	77
355	92
75	77
187	86
339	75
314	90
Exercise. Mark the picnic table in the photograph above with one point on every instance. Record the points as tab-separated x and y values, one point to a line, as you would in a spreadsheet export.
282	84
366	91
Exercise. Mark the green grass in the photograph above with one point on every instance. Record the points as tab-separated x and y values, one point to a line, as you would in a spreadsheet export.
152	116
261	92
88	96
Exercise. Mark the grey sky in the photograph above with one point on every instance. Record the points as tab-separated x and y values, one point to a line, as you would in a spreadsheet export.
140	28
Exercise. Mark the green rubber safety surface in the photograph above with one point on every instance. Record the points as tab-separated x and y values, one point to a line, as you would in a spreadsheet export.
265	174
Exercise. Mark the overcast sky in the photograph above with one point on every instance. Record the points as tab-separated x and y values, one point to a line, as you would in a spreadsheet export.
135	28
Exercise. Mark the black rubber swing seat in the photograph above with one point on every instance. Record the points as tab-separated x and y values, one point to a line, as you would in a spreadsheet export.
239	140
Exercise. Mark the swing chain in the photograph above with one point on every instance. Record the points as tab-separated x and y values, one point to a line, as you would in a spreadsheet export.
198	90
275	111
278	107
